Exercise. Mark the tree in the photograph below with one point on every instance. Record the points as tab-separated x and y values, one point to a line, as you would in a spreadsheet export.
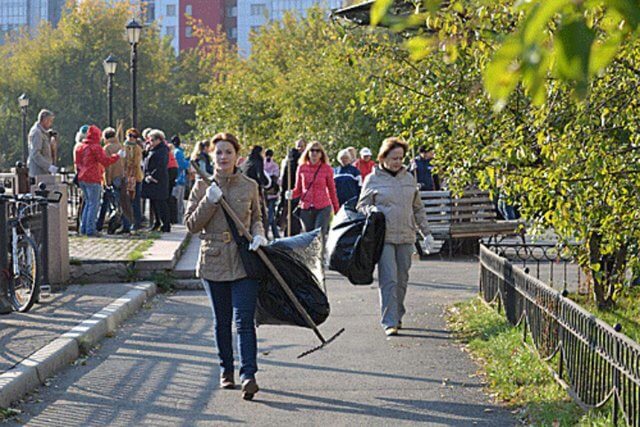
61	69
571	166
300	80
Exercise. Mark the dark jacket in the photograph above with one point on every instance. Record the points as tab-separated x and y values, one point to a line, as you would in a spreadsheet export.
347	182
254	168
292	159
155	166
421	169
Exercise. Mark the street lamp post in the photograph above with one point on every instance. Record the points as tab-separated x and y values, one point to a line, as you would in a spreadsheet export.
133	35
110	64
23	101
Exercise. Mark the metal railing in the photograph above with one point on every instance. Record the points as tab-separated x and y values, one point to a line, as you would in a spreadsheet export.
593	361
74	199
545	260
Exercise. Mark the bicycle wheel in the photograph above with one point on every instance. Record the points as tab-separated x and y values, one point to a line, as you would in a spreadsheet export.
24	286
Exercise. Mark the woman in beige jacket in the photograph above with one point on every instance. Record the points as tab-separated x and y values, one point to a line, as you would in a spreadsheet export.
392	190
220	267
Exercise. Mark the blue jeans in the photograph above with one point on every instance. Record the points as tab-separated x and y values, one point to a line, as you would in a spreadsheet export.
271	215
91	193
111	202
237	300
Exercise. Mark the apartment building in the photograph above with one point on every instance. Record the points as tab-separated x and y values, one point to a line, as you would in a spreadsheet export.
251	15
15	14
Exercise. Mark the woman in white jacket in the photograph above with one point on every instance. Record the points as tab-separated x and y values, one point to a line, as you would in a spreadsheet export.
392	190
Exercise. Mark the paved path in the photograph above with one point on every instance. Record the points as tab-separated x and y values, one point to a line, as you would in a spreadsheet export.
160	369
118	248
21	334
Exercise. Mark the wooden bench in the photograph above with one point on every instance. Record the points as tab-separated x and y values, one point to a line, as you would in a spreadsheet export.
472	215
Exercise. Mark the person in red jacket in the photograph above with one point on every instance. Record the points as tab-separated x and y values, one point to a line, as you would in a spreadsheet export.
315	188
91	160
364	164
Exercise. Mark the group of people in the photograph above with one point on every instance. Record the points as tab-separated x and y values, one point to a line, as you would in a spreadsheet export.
306	180
116	177
301	193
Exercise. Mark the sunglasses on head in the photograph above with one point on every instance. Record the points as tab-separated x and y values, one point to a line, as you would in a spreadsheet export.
315	150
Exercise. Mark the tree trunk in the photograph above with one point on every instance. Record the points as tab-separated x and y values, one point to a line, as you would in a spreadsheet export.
610	274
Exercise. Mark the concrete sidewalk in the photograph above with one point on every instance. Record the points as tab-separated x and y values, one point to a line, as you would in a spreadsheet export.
37	344
161	367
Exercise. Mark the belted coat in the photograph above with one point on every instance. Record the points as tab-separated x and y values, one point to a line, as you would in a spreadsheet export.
219	259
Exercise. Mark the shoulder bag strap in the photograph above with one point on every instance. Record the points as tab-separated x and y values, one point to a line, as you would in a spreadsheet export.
315	175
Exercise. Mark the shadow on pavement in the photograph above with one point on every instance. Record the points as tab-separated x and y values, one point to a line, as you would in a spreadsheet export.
390	411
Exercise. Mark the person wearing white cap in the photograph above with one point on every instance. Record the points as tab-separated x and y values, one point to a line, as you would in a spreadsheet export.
364	164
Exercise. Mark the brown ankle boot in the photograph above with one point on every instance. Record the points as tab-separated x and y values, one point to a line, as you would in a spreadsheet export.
227	381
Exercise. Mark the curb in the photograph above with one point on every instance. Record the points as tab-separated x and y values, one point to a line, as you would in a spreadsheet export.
188	284
35	369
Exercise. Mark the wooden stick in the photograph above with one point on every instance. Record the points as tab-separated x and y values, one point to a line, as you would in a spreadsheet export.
287	290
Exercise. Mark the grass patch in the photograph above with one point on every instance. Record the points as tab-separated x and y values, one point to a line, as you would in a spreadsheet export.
514	374
8	413
626	311
138	252
164	281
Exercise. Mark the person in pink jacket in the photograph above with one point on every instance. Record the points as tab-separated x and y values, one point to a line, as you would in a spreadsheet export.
315	188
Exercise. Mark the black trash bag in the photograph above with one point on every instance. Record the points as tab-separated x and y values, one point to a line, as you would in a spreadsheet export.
298	259
355	243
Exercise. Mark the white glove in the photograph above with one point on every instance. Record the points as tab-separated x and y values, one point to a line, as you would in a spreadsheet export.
372	208
288	194
427	244
53	169
257	241
122	154
214	193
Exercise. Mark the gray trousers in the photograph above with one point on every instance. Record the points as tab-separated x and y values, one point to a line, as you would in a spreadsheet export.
393	275
316	218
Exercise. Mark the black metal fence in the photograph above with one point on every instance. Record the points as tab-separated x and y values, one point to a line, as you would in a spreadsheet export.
589	358
544	260
74	199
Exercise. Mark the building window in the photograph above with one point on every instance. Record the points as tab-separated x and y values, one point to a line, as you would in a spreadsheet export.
232	11
170	31
258	9
171	10
232	33
188	32
188	10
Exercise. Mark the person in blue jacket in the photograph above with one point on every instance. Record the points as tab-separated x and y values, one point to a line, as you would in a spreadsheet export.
347	178
422	169
181	181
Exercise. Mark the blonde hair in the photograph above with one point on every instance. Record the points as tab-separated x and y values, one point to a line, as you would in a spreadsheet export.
345	153
156	134
390	144
305	158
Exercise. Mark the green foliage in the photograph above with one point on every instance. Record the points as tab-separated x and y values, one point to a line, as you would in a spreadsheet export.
61	69
515	375
301	79
569	166
572	41
626	311
164	281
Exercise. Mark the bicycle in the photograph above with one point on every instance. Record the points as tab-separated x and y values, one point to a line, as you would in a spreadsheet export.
24	276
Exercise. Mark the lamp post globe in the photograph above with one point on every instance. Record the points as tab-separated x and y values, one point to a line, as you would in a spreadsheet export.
110	65
134	29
